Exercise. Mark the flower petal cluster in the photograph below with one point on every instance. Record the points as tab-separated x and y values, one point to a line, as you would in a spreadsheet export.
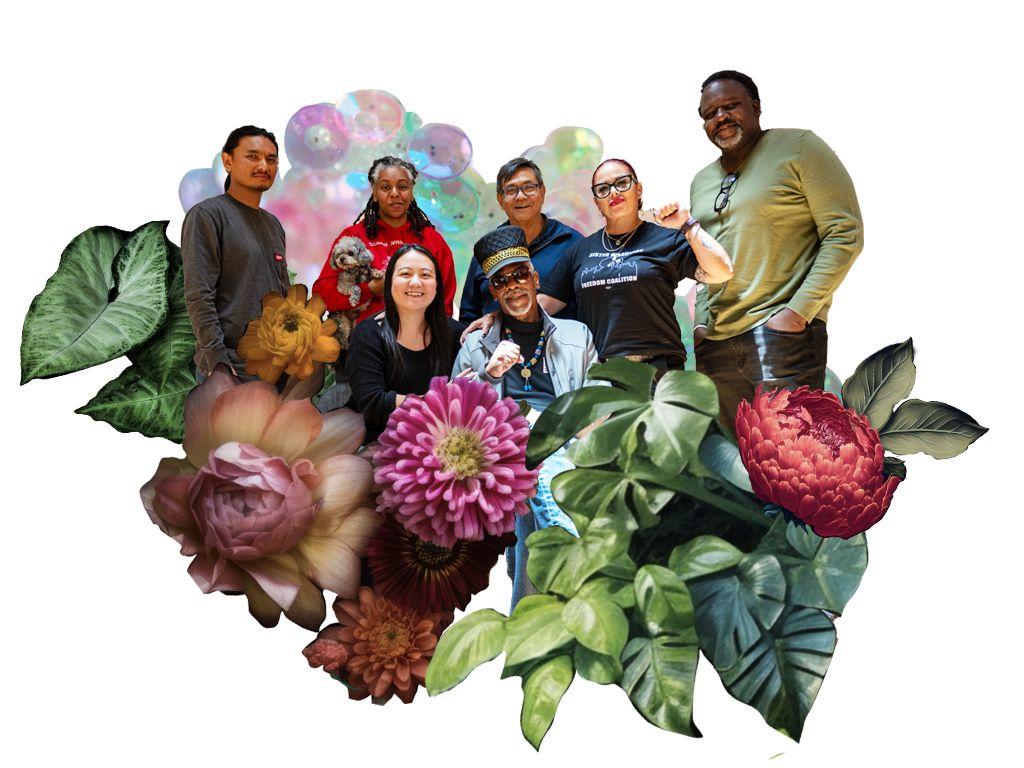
429	578
384	647
288	337
270	499
820	461
452	463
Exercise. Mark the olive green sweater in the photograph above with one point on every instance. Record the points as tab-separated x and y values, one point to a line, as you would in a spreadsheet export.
792	227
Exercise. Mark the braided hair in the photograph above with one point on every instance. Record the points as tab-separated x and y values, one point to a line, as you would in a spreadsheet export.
371	213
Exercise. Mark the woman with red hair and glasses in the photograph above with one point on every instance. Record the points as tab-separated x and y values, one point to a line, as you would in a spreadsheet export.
624	276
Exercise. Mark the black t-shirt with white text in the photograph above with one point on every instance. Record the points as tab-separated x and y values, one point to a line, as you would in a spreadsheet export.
626	297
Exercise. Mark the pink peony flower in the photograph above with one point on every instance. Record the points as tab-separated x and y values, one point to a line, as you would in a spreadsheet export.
269	499
452	463
811	456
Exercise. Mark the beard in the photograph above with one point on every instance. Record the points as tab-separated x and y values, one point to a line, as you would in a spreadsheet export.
516	312
732	143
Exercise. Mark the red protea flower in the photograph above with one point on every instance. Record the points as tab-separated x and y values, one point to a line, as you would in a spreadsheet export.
380	649
417	574
816	459
453	463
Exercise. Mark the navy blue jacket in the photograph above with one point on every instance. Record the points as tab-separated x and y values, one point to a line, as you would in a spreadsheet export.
545	251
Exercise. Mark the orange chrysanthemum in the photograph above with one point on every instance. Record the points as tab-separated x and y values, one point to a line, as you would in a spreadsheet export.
288	337
387	647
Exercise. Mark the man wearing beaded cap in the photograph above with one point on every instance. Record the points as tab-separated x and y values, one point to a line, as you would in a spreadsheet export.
784	207
526	355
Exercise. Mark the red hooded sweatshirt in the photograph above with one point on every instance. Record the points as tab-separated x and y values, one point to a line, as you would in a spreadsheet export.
388	240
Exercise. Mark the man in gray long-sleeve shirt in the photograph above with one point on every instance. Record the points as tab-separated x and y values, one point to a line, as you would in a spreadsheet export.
233	251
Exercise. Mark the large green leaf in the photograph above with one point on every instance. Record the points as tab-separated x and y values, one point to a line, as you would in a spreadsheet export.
471	641
667	434
703	555
133	403
571	412
635	378
733	606
781	673
663	601
542	690
820	573
689	389
602	444
107	296
596	620
559	562
173	345
596	667
722	456
937	429
658	677
534	629
880	382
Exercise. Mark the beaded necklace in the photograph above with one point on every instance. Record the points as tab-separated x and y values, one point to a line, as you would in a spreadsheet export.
525	369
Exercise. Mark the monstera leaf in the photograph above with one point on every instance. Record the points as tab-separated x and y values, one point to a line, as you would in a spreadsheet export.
106	298
780	674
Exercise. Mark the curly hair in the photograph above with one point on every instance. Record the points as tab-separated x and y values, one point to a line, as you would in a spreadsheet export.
371	213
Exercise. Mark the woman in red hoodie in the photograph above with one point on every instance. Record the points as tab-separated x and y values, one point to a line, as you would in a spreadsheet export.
390	220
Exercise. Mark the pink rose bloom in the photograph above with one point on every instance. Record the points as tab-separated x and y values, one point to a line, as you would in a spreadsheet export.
270	499
453	463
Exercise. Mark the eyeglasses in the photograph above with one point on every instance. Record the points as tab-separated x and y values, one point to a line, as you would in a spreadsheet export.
520	275
723	197
621	184
528	190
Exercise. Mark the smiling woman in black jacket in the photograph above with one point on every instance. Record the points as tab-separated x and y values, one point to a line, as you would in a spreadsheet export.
397	352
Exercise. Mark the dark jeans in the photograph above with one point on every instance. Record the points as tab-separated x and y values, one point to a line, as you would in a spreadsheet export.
762	356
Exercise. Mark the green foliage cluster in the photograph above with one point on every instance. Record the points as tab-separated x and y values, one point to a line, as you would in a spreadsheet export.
660	469
118	293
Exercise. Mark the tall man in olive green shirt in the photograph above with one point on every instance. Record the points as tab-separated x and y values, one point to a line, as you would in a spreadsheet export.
780	202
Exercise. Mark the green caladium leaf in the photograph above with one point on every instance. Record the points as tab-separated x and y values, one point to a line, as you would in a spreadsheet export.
880	382
635	378
781	673
107	296
542	690
173	346
690	390
471	641
820	573
559	562
596	667
291	277
596	620
664	601
571	412
722	456
134	403
937	429
658	677
701	556
732	607
535	628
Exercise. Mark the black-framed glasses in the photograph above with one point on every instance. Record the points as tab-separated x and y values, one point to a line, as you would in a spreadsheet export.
528	190
621	184
520	275
723	197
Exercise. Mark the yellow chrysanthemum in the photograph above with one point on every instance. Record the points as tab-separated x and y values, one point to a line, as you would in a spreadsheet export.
288	337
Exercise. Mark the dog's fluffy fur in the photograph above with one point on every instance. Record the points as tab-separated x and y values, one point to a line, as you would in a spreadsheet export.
353	260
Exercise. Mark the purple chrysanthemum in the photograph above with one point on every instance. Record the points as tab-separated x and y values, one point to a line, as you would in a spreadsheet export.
452	463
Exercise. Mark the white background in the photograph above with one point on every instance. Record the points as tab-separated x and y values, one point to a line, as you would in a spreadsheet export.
111	655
